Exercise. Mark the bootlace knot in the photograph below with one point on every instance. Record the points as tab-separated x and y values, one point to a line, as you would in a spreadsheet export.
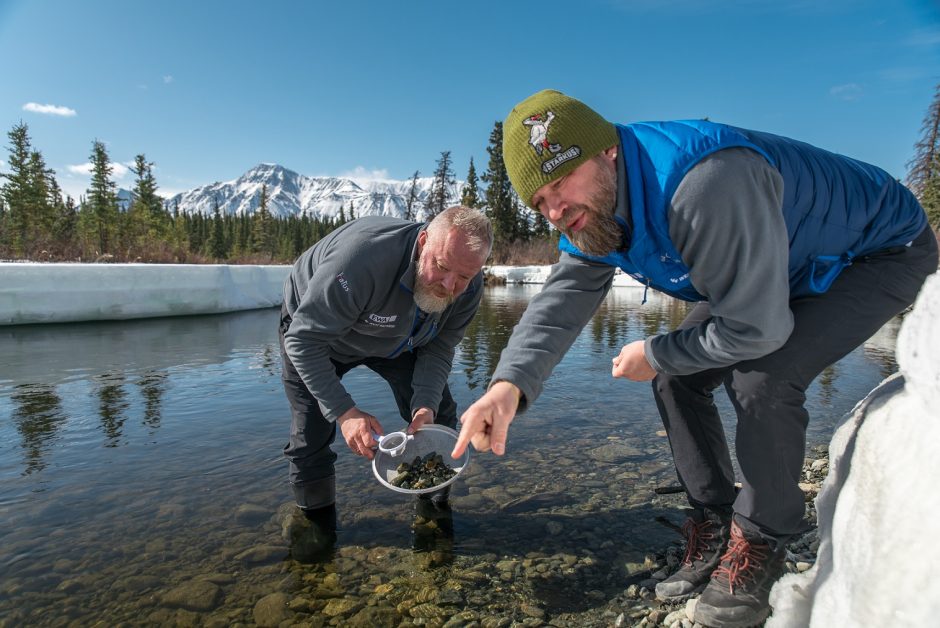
696	536
741	561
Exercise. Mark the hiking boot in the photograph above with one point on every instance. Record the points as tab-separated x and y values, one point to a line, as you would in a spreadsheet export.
737	595
706	537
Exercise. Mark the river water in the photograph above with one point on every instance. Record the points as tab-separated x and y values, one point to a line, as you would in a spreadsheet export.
142	482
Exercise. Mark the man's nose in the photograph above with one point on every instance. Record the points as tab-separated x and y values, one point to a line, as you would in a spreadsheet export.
449	281
556	211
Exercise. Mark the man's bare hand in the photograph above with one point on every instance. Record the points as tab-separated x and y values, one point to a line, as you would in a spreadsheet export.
485	424
422	416
632	363
357	428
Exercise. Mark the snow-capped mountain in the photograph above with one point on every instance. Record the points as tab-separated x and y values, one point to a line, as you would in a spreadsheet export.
290	193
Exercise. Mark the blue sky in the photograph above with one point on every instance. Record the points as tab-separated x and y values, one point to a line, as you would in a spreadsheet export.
209	89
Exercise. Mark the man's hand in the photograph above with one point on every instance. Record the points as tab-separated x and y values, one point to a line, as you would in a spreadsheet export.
632	363
357	428
422	416
486	422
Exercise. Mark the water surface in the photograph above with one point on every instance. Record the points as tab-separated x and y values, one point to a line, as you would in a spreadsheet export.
141	474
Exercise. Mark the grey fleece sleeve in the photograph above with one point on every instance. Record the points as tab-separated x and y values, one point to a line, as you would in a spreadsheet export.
434	361
726	223
325	312
551	322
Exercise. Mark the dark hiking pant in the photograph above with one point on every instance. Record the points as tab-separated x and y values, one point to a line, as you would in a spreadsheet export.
308	450
768	393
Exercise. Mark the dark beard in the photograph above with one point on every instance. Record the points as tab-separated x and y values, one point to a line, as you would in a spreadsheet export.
602	234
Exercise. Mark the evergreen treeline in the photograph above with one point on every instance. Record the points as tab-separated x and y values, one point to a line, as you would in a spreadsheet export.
38	222
923	176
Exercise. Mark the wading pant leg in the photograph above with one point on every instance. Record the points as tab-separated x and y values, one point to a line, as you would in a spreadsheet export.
308	452
768	393
399	373
696	436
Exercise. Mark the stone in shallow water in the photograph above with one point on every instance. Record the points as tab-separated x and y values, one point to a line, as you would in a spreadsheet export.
614	453
251	515
271	610
196	595
342	606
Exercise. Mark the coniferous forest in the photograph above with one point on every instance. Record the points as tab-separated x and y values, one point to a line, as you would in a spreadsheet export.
39	223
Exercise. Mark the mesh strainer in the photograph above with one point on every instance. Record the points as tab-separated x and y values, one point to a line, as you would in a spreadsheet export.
427	438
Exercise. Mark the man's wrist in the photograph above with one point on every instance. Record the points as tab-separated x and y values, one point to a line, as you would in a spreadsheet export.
516	390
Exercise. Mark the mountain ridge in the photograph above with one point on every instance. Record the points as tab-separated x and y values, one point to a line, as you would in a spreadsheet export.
293	194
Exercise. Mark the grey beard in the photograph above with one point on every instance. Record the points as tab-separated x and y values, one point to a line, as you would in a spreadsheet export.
428	301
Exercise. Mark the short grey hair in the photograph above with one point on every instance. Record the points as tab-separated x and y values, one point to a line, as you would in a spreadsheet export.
472	223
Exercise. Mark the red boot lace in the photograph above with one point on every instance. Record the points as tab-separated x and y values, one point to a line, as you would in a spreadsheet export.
741	560
696	535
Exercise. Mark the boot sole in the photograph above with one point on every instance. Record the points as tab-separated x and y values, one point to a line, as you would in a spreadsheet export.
713	617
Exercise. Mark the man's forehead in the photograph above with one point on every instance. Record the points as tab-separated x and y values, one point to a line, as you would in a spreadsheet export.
451	249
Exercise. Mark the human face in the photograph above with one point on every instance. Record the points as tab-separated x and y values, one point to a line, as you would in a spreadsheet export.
446	265
581	204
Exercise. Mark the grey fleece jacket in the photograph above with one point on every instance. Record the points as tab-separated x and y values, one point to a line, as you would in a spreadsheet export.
351	296
726	223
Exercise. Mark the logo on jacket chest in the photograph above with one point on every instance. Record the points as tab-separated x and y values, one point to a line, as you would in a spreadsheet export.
382	320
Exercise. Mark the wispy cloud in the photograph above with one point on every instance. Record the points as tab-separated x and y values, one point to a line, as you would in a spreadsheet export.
905	74
848	91
49	110
365	174
118	170
167	79
925	38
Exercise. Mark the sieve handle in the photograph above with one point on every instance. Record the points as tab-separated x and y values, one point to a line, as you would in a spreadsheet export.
398	448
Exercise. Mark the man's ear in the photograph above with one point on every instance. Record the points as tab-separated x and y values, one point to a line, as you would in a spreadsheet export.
611	153
422	238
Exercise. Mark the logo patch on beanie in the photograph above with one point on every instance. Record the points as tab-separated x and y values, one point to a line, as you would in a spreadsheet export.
538	138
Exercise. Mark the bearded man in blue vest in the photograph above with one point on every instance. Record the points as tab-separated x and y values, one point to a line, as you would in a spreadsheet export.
794	256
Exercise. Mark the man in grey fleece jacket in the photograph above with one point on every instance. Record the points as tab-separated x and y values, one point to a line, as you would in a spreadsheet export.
795	255
391	295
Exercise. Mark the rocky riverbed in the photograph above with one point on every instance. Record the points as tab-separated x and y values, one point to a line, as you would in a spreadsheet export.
580	543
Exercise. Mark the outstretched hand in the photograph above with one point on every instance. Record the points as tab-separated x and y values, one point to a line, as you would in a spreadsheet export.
357	428
632	363
485	424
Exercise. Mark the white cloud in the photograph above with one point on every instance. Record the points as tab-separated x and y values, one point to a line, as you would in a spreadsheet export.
848	91
360	173
118	170
51	110
167	79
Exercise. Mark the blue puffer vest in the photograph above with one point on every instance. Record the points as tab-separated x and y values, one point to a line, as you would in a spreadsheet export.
835	208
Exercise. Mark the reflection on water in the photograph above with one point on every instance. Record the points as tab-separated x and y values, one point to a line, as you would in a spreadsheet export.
141	479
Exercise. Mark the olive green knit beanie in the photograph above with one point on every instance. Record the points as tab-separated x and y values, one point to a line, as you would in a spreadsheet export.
548	135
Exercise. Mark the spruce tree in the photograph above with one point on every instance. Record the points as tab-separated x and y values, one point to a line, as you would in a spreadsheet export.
145	199
42	209
923	166
102	206
440	194
471	194
17	192
262	230
411	203
499	195
541	228
217	247
930	196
